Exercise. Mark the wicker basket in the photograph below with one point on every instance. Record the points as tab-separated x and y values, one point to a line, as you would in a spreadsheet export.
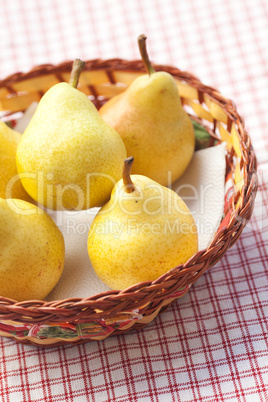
78	320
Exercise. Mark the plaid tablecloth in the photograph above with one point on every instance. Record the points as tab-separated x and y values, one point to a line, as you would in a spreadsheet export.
212	344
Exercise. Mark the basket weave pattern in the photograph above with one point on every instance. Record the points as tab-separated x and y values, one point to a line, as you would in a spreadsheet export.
101	80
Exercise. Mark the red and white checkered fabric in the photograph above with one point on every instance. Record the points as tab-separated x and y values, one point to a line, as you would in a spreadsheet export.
211	345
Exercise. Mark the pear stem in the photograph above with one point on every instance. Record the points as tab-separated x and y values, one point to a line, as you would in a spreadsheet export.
78	66
128	183
143	51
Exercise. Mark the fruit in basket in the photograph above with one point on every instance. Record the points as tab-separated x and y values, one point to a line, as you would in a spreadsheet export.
69	158
10	184
32	251
155	128
143	231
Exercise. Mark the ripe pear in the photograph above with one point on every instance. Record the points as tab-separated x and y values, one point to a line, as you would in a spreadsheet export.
68	157
155	128
143	231
10	184
32	251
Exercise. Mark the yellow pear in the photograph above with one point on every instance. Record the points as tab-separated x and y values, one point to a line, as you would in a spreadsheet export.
68	157
155	128
141	233
32	251
10	184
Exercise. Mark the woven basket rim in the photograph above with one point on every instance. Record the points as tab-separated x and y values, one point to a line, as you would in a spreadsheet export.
131	66
114	301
